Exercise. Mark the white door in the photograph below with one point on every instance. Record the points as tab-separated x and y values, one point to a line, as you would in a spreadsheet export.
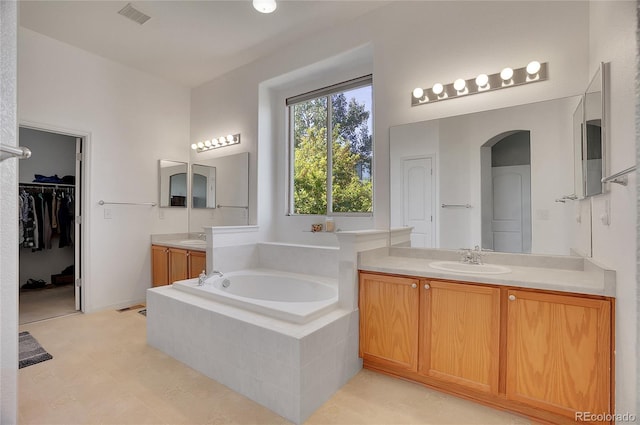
511	220
78	224
418	200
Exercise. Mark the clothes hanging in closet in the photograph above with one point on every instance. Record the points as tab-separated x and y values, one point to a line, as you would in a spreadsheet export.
46	213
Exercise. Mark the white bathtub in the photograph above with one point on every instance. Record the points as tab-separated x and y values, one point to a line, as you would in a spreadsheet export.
293	297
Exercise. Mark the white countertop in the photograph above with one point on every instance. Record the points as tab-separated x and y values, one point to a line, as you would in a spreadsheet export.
591	279
176	240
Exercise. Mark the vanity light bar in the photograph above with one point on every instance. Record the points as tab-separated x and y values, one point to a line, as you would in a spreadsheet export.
508	77
220	142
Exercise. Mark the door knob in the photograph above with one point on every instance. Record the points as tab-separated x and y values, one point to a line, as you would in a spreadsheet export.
512	297
414	285
426	286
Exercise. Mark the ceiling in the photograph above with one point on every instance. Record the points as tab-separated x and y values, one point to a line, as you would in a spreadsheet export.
187	42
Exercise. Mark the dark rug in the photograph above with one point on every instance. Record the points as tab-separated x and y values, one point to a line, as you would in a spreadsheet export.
31	352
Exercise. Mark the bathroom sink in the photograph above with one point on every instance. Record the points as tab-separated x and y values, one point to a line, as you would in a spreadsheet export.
194	242
458	267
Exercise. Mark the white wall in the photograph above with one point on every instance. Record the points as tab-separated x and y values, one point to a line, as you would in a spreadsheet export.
8	214
612	39
407	49
131	120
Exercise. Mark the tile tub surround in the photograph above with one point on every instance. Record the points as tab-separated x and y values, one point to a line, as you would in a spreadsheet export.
289	368
548	272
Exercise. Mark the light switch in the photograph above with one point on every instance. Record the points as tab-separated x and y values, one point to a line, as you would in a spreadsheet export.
107	214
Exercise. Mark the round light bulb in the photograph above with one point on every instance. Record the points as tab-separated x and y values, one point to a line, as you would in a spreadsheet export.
533	67
459	84
482	80
229	138
207	143
265	6
437	88
506	74
418	93
194	146
200	145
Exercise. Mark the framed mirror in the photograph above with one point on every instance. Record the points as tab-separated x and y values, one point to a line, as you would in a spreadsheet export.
172	183
489	178
593	143
203	186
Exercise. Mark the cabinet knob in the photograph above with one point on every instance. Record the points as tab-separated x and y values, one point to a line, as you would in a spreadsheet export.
512	297
426	286
414	285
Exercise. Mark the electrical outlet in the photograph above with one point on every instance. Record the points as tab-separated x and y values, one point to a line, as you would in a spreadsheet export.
107	214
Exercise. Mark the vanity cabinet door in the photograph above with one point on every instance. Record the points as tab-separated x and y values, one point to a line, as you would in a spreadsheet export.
197	263
159	265
178	264
460	334
389	320
558	352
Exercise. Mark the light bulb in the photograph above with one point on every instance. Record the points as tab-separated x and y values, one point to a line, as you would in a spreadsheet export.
418	93
482	80
200	145
194	146
506	74
230	138
533	67
265	6
207	143
459	84
437	88
214	141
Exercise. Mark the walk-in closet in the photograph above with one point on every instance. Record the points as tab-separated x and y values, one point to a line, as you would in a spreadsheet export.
48	239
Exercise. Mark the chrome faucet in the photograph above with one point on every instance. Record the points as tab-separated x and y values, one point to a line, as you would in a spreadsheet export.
472	256
202	278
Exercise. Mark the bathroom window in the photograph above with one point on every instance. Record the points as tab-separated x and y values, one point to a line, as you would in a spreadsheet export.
331	151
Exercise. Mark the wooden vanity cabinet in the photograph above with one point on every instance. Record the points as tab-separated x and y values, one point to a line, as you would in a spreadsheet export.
159	265
544	354
172	264
460	334
197	263
389	320
559	352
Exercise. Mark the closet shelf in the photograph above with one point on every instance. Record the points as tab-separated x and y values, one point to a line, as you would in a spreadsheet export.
36	184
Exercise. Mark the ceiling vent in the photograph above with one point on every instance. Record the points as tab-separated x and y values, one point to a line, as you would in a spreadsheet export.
134	14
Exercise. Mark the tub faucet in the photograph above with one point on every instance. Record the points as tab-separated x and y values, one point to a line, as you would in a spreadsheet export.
202	278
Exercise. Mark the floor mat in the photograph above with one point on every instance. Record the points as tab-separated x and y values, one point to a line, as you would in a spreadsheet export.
30	351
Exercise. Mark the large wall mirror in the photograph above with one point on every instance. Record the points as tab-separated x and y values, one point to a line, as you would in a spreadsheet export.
503	179
220	192
172	183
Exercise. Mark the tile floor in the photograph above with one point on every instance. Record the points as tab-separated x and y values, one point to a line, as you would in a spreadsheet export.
103	372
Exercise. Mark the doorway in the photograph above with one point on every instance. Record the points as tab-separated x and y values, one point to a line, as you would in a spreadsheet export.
49	223
418	200
506	192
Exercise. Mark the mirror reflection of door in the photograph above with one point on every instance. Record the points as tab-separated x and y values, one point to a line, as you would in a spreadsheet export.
203	186
506	193
178	190
418	200
593	157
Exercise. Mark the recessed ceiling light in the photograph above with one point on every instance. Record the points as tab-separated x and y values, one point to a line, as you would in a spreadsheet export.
265	6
